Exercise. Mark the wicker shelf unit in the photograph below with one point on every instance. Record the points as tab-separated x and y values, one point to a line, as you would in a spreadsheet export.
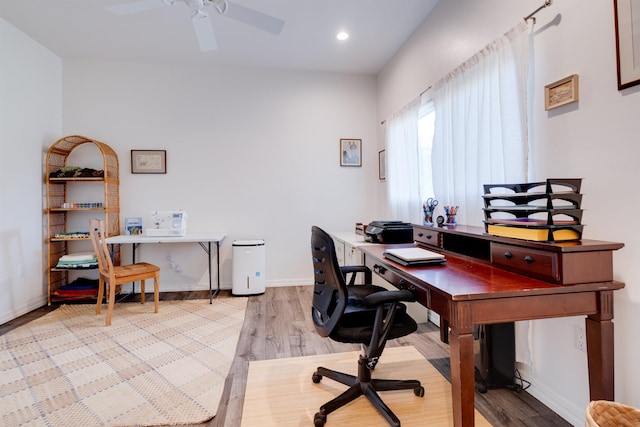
58	209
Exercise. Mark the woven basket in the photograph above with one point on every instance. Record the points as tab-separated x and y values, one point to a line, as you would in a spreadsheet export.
602	413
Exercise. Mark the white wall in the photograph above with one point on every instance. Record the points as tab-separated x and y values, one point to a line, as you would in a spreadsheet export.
253	153
30	117
595	139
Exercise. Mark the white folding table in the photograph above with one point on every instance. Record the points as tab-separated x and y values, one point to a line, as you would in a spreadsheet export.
204	239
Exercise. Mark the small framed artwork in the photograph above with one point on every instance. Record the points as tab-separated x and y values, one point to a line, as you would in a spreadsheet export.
564	91
382	164
148	161
350	152
627	24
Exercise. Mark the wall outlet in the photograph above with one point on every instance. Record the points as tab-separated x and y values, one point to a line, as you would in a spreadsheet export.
579	338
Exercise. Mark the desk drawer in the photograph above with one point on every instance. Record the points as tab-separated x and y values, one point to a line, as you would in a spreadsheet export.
422	295
426	236
531	262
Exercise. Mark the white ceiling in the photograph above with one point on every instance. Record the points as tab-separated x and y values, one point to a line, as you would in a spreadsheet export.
83	29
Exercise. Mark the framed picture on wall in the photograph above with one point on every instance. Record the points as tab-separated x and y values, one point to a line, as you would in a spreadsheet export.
564	91
148	161
627	24
350	152
382	164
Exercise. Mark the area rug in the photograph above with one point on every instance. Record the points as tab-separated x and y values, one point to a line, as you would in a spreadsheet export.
167	368
280	392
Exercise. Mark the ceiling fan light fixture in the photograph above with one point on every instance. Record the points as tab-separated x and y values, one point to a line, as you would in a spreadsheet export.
199	13
342	35
204	27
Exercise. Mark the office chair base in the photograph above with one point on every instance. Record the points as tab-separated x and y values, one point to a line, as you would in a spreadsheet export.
362	385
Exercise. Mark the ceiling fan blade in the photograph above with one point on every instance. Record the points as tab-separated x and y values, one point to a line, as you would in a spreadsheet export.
204	33
135	7
254	18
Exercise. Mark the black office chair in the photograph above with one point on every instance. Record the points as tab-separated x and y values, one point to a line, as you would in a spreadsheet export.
365	314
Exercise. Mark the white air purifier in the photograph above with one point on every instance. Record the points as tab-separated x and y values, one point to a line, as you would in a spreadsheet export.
249	262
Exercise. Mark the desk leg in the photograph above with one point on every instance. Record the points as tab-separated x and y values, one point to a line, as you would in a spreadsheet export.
133	261
207	249
600	353
218	268
462	365
444	330
133	284
210	291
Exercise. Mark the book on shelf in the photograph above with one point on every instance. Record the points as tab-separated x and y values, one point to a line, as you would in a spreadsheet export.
537	234
133	226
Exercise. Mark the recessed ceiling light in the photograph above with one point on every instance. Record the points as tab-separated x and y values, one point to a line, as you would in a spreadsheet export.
342	35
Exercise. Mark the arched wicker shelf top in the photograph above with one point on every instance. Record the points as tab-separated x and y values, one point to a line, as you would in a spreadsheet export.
59	153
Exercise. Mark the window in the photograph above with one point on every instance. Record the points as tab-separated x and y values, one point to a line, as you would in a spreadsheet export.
473	132
426	128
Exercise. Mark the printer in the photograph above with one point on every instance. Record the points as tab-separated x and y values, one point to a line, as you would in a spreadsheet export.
389	232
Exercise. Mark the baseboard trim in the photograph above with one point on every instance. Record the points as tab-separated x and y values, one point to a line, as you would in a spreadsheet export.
173	287
28	307
557	403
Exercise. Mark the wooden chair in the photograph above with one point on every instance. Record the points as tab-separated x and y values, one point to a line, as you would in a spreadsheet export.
117	275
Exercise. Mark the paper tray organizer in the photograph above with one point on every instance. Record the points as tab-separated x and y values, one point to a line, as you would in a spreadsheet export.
541	211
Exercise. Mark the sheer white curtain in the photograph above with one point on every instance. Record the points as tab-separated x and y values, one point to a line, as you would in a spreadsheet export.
403	183
481	124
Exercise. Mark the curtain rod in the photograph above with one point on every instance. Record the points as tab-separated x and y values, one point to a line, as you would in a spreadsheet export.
546	3
530	16
421	93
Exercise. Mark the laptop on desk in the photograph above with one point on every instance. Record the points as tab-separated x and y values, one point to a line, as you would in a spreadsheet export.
410	257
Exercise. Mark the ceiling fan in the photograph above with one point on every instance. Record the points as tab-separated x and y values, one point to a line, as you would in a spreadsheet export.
200	17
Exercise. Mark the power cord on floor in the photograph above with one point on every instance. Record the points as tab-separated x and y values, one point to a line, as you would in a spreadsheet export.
520	383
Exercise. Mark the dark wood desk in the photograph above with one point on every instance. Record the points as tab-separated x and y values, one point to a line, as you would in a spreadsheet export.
466	291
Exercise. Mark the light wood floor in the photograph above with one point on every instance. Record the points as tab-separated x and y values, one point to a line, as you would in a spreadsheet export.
278	325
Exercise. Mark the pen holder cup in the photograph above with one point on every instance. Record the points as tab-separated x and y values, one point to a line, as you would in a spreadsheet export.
451	220
428	217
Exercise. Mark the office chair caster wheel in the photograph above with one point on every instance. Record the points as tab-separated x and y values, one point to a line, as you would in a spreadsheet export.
419	391
319	420
316	377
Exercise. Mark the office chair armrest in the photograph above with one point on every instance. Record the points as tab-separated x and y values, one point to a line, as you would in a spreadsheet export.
384	297
353	270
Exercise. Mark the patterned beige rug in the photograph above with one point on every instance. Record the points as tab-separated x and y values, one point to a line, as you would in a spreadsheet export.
68	369
280	392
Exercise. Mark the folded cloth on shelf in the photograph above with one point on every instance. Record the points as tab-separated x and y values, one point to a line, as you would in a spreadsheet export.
80	288
78	260
73	235
79	256
79	293
89	261
81	283
77	265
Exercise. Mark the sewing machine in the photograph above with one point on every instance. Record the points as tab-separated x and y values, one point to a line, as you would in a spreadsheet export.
167	223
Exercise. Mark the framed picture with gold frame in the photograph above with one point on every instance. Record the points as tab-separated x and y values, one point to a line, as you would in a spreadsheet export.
350	152
562	92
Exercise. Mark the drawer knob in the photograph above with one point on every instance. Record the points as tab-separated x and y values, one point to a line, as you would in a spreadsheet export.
528	259
429	236
508	255
420	234
379	269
